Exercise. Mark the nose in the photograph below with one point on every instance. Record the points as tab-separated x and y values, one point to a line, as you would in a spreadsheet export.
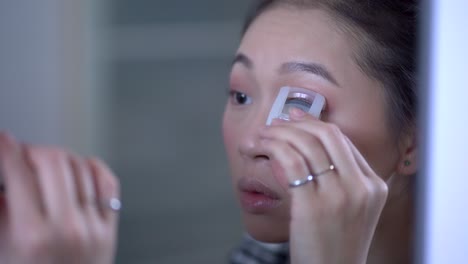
249	145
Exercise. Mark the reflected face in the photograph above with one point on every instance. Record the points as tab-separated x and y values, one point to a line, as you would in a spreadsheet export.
299	48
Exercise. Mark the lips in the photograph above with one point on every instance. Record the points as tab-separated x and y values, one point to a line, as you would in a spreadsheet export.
256	197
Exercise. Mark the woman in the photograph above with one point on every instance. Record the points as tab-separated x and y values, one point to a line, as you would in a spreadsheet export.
360	55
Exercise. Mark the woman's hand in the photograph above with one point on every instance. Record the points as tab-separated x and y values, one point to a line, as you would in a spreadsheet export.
54	207
333	217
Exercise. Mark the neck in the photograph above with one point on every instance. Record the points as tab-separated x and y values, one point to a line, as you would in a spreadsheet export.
393	238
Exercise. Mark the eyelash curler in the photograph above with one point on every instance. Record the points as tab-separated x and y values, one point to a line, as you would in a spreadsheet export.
304	99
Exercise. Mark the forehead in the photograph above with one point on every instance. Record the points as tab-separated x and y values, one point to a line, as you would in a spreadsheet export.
286	33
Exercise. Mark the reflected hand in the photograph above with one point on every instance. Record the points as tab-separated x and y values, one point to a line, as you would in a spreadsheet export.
333	217
53	209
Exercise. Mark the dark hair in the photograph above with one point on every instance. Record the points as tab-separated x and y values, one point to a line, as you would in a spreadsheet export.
384	32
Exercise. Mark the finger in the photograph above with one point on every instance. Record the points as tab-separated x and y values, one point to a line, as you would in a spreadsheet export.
23	197
379	185
334	143
85	190
309	148
303	142
106	188
361	161
56	181
288	165
358	177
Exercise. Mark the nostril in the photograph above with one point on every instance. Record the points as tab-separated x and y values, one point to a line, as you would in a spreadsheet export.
264	157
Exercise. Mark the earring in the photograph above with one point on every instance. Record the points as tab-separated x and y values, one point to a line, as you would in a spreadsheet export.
407	163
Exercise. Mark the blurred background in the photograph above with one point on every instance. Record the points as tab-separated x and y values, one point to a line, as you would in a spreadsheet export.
141	84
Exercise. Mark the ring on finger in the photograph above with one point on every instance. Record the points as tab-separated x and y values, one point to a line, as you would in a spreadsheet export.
113	204
310	178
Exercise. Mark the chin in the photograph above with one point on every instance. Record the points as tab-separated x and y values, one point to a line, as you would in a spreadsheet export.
267	228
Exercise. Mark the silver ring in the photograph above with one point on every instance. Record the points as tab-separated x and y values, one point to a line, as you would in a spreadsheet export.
113	204
298	183
310	178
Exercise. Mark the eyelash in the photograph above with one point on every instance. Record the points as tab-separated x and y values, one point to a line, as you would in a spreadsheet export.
234	97
235	100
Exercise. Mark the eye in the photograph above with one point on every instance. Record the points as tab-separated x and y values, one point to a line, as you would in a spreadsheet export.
239	98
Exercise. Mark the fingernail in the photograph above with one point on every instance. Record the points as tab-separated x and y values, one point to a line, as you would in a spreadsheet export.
296	113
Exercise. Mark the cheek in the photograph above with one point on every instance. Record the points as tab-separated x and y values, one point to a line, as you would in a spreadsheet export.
228	130
374	142
367	129
379	152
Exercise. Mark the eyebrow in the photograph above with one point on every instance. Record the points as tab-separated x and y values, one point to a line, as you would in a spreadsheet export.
291	67
244	60
312	68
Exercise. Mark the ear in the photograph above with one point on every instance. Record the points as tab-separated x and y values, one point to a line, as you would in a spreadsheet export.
408	162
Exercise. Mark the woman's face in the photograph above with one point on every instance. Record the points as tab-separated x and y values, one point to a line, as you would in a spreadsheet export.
298	48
